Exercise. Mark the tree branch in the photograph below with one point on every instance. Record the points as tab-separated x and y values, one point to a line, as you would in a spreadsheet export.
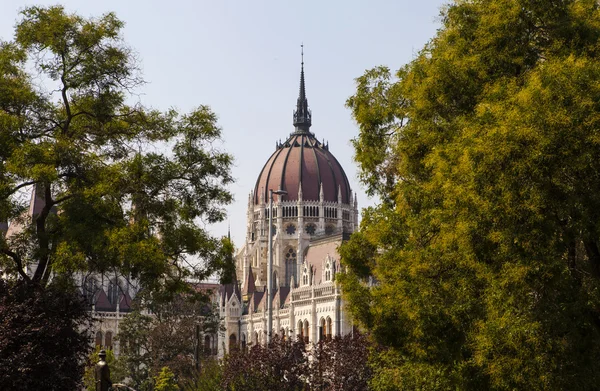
18	261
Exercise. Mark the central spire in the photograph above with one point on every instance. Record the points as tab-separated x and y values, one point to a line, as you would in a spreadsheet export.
302	115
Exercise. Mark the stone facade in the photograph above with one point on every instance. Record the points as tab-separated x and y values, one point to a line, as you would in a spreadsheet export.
309	222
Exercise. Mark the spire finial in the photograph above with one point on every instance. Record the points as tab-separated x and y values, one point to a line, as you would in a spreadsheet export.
302	115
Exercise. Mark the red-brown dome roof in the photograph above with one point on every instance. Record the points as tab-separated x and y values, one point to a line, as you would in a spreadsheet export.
303	160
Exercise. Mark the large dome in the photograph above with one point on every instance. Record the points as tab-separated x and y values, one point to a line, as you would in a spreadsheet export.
303	161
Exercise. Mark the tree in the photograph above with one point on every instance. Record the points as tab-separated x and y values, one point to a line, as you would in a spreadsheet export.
165	381
480	267
342	363
282	365
119	188
332	365
42	346
166	338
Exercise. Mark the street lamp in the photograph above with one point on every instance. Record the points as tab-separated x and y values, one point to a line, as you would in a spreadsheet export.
270	264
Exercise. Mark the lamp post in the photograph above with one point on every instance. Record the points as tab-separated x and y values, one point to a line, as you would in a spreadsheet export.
270	265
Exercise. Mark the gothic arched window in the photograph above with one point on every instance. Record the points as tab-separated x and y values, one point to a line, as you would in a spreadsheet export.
207	344
113	291
300	331
98	341
90	289
322	329
306	333
290	265
108	340
232	342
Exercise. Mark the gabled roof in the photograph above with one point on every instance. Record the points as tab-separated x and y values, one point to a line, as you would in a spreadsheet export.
282	296
257	299
125	303
102	303
227	290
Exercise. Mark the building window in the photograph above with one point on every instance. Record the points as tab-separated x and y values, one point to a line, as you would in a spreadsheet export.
207	344
322	329
232	342
113	291
305	277
328	272
329	331
300	331
290	265
306	332
98	341
108	340
310	229
290	229
90	289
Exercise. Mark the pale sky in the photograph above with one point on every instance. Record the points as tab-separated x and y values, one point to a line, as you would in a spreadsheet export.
242	58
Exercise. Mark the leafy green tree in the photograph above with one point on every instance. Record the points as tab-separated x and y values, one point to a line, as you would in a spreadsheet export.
166	338
208	378
121	188
480	268
165	381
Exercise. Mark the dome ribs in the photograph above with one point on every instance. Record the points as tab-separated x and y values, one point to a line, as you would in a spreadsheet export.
282	184
317	163
345	192
335	182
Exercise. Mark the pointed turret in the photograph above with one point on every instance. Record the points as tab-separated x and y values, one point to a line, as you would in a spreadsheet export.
302	115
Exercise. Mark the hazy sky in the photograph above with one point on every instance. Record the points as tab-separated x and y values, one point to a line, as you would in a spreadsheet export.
242	58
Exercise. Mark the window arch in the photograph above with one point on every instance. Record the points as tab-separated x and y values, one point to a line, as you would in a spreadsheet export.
300	331
255	339
306	332
98	341
113	291
108	340
329	328
207	344
91	284
290	265
322	329
232	342
243	341
305	276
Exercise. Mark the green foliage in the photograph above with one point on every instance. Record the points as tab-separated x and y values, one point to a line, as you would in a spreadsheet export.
165	339
209	377
165	381
124	186
485	248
